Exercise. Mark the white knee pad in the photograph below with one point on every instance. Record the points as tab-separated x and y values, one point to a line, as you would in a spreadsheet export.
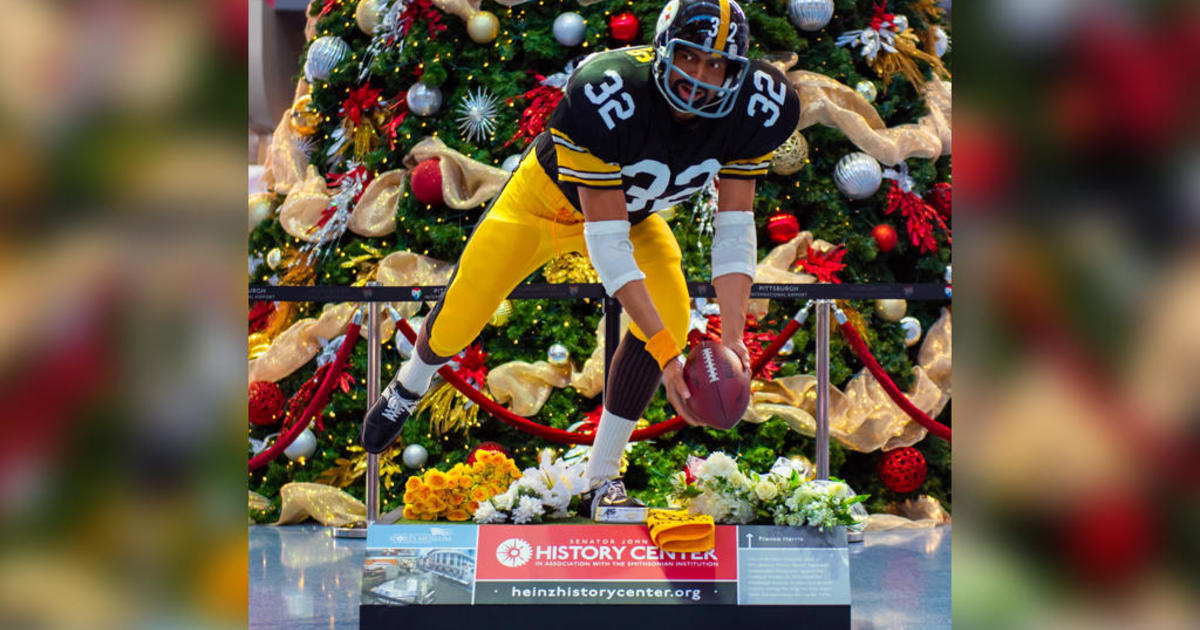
611	252
734	244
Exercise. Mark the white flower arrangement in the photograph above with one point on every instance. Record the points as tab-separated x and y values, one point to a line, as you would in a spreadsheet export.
784	496
544	491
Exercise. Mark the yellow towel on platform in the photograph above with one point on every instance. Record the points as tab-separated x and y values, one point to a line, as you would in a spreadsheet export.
677	530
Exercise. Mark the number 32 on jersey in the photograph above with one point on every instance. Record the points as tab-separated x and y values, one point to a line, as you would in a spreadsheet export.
760	104
610	98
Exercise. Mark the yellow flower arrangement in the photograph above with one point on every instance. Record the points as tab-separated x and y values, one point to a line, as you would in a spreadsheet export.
456	494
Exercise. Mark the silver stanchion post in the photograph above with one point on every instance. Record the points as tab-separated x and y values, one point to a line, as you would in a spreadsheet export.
374	354
822	415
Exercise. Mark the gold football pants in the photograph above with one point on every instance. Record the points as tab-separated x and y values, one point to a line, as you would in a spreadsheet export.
527	224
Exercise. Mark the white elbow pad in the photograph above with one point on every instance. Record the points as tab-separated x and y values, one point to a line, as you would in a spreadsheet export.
611	252
734	244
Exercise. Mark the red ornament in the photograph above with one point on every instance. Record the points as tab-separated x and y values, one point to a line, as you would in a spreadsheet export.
487	446
782	227
939	197
266	403
902	470
624	27
885	237
426	182
1110	539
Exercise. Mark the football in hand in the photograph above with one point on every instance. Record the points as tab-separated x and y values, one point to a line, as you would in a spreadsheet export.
720	388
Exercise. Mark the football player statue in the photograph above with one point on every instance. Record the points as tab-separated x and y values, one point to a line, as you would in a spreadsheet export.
639	129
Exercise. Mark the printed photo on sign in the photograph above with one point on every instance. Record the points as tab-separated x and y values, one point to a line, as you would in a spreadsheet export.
418	576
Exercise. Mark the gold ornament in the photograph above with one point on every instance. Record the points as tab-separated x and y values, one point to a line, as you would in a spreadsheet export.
791	155
260	208
367	15
502	314
304	116
258	344
274	258
483	27
891	310
450	410
570	267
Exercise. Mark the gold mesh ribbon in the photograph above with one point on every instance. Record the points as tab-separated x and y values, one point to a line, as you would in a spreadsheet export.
465	183
862	417
375	212
286	163
826	101
526	385
776	267
324	504
677	530
462	8
922	512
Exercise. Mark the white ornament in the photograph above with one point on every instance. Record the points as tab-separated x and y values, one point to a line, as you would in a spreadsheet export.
303	446
558	354
423	99
415	456
477	115
912	330
810	15
569	28
511	162
274	257
867	90
324	55
858	175
941	41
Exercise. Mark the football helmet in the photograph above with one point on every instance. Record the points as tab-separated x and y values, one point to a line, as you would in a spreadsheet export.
715	27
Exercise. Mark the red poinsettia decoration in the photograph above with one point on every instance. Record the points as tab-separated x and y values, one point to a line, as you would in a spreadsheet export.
472	366
756	341
591	421
542	101
359	101
825	266
423	10
920	217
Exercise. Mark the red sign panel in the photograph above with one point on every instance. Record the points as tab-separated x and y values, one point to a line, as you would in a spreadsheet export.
584	552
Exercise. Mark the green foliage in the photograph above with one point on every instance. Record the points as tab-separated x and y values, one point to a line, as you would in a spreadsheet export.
456	65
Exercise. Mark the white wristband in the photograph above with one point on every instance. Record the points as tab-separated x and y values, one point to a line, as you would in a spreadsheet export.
611	252
734	244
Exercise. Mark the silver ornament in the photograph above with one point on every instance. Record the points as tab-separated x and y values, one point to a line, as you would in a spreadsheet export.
274	257
867	90
415	456
569	28
810	15
912	330
558	354
788	348
511	162
477	115
891	310
900	23
948	276
423	99
858	175
324	55
304	446
941	41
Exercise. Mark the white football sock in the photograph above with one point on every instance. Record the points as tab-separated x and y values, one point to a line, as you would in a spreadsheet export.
611	437
415	375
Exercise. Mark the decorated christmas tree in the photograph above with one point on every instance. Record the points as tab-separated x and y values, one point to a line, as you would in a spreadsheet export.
409	116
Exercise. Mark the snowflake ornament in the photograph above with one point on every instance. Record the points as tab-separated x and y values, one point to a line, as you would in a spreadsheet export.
478	115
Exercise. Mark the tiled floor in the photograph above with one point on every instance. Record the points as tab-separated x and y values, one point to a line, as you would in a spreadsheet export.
302	577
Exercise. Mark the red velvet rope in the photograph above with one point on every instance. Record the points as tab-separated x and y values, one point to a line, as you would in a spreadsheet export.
773	349
528	426
318	402
889	386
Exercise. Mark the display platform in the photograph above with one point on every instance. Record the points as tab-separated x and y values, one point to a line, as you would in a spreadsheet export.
536	573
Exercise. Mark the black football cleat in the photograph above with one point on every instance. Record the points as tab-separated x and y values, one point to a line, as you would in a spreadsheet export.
385	419
610	503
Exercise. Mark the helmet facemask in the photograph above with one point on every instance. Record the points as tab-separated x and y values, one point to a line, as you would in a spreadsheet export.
696	25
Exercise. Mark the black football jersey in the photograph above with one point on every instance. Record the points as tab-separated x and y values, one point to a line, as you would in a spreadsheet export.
614	129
